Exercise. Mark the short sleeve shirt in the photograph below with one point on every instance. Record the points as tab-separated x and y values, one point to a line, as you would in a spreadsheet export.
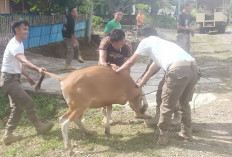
184	20
162	52
115	56
112	25
68	26
10	64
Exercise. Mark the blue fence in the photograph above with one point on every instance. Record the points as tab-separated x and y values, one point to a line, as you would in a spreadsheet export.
46	34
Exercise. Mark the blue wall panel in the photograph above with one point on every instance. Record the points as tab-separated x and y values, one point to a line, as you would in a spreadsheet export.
35	31
52	38
43	35
59	28
59	37
54	29
34	42
46	30
44	40
26	43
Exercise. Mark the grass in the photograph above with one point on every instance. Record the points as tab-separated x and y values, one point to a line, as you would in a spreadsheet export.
128	136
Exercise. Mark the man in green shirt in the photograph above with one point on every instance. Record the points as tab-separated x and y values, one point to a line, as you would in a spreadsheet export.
113	24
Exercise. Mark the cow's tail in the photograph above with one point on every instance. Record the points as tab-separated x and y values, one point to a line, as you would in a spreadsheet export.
38	85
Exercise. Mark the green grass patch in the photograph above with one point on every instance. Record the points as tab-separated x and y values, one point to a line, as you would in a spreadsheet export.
128	136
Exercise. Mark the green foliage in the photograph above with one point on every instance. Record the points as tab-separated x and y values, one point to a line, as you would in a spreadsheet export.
100	7
143	7
97	22
161	21
47	7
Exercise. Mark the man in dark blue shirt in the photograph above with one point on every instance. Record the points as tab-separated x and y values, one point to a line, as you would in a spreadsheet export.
68	34
183	26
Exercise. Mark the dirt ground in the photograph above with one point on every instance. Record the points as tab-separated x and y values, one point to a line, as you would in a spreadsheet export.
212	122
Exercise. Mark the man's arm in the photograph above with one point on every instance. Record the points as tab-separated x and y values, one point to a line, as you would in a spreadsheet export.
148	66
129	63
102	57
22	58
154	68
74	40
30	80
179	27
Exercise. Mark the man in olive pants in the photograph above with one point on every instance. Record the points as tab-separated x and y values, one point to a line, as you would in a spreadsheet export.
181	76
70	41
13	64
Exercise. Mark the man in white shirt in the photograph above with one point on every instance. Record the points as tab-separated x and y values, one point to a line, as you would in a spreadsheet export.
13	65
182	74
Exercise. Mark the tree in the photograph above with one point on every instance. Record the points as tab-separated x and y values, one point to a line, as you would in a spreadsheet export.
47	7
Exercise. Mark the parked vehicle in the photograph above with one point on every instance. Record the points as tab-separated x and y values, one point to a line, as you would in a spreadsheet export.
212	15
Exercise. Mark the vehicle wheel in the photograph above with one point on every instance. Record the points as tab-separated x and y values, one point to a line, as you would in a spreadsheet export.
223	29
202	30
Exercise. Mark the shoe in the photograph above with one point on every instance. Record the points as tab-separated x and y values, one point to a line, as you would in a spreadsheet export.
186	133
44	128
176	119
10	138
69	67
188	138
154	120
80	59
163	138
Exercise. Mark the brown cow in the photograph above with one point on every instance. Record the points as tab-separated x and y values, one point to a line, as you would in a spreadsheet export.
94	87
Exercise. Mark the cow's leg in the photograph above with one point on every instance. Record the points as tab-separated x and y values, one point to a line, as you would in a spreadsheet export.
104	114
104	111
64	122
81	126
107	125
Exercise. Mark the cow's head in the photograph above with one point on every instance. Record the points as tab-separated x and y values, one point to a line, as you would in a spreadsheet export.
139	105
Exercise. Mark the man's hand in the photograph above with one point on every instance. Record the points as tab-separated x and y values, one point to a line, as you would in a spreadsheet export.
104	64
114	67
41	70
140	83
74	43
192	31
31	81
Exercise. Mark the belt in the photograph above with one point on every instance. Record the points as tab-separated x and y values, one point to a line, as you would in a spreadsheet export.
182	64
13	75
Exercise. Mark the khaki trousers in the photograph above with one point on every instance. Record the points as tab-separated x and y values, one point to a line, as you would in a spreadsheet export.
71	49
19	100
179	83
